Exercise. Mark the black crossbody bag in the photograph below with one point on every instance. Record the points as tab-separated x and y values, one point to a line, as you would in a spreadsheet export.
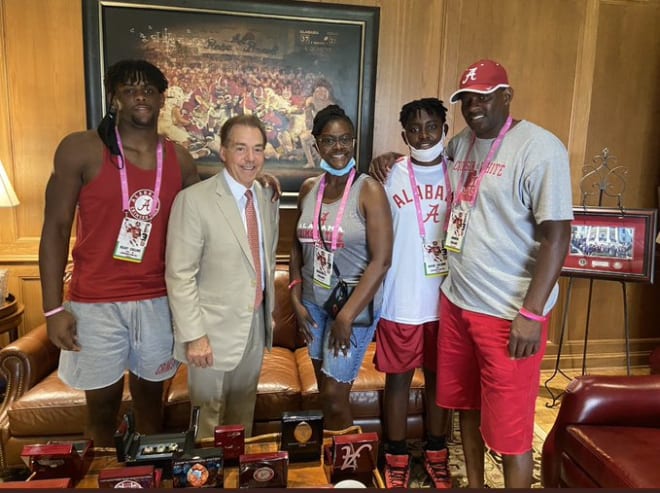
341	292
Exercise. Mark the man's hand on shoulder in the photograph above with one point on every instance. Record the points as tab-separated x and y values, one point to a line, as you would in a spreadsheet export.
270	181
381	166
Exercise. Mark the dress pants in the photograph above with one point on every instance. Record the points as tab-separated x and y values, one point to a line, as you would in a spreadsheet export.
228	397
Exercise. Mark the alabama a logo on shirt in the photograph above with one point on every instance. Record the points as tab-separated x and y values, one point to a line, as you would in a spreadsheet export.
142	205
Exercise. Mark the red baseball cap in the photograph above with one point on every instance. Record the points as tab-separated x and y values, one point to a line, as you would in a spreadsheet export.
483	77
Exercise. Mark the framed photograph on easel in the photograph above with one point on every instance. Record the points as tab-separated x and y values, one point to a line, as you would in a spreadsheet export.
612	243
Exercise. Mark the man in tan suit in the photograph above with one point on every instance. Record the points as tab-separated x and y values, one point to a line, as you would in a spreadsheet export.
221	283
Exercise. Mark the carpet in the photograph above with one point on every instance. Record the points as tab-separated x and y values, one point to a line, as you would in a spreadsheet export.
492	465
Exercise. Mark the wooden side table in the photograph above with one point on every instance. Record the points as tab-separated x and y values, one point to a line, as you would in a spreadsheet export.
11	316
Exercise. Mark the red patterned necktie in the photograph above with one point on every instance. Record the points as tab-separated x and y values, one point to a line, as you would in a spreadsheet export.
253	240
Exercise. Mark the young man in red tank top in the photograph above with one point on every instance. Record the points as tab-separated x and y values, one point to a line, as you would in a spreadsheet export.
123	179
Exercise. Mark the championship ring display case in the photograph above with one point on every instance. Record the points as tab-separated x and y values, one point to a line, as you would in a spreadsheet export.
352	457
158	450
268	470
302	435
231	438
59	459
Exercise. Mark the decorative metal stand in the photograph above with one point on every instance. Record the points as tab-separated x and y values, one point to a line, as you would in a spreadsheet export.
603	178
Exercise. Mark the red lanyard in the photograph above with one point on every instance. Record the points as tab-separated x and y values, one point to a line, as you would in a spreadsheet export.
124	177
484	166
417	198
340	212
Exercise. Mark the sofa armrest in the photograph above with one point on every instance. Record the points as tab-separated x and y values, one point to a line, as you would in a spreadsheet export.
601	400
612	401
25	362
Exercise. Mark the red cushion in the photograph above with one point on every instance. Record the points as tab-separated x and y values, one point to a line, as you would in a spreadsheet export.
616	456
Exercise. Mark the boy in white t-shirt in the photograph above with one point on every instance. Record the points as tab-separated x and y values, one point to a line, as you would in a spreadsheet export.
419	194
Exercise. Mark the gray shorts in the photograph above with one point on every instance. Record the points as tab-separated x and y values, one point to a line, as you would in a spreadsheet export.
113	337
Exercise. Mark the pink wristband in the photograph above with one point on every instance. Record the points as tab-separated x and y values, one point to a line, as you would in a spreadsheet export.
54	311
294	283
531	316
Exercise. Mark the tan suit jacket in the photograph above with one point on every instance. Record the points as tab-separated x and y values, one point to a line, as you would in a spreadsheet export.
210	273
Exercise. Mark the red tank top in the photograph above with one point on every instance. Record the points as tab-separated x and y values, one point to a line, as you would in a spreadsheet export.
97	276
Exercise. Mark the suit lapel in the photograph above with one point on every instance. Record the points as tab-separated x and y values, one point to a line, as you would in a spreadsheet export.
229	209
266	230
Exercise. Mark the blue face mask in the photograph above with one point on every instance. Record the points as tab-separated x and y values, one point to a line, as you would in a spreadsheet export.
337	172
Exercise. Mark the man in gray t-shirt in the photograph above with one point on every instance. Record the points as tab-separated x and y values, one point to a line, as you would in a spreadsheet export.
508	235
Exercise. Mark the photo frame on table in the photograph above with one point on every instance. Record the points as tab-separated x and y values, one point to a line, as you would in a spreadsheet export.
612	243
283	61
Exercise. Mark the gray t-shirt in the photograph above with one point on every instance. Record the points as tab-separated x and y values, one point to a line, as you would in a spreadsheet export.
527	183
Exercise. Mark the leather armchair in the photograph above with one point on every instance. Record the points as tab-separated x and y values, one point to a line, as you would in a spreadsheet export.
607	434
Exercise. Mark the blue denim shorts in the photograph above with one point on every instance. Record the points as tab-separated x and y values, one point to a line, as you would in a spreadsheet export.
343	368
113	337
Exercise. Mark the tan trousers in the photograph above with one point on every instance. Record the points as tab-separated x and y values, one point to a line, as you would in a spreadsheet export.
228	397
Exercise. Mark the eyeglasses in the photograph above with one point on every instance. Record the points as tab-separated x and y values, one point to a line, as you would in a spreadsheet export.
344	141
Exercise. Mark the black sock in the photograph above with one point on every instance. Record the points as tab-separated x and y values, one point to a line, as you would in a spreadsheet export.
396	447
436	443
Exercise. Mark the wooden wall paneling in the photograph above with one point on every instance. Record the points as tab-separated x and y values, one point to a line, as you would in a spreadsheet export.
43	43
626	98
581	100
627	63
7	215
408	65
537	43
450	70
24	285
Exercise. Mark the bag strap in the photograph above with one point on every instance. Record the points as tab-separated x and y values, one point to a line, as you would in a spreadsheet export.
325	245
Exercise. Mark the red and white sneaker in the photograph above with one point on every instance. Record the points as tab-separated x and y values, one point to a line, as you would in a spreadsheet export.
436	463
397	471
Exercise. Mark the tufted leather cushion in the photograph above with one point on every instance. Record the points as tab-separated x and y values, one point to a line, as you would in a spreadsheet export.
616	456
52	406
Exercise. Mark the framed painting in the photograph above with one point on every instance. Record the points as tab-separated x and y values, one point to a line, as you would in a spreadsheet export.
283	61
612	243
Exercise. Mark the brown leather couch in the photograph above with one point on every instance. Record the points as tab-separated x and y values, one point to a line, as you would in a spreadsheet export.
607	434
40	407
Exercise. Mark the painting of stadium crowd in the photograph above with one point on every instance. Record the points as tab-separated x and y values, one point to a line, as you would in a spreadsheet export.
612	244
221	63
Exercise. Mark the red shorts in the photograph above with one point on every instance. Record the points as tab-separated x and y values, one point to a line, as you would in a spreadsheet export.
403	347
477	373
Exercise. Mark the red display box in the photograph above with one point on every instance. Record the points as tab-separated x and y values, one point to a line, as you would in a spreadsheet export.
352	457
33	484
269	470
59	459
232	440
130	477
